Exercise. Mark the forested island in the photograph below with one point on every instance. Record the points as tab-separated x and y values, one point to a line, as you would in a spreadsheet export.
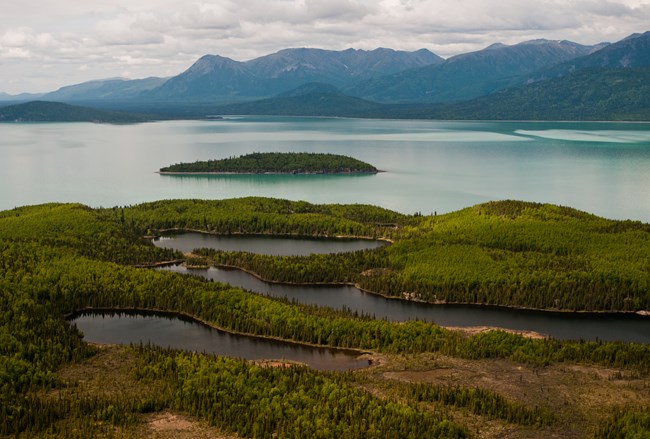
276	163
427	381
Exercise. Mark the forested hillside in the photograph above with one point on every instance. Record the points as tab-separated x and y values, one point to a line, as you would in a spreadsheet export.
503	253
59	258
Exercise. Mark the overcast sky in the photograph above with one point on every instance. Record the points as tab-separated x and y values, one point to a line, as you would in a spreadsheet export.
45	44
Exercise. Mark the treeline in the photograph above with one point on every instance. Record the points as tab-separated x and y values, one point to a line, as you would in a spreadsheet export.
287	402
99	234
278	163
481	402
628	423
346	267
264	216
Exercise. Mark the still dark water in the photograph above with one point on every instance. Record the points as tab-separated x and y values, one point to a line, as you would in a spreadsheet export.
189	335
563	326
267	245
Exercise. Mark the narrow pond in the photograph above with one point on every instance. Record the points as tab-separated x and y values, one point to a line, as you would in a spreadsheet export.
267	245
187	334
560	325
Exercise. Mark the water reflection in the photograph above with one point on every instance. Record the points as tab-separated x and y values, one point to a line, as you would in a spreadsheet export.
564	326
187	334
267	245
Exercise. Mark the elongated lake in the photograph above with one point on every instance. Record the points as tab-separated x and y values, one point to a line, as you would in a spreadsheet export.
181	333
267	245
563	326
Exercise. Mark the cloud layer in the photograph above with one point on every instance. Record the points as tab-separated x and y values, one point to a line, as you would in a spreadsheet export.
66	41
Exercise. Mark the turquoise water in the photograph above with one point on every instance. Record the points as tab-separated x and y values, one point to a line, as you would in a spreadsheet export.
430	166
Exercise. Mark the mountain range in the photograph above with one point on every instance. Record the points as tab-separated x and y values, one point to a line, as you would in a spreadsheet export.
535	79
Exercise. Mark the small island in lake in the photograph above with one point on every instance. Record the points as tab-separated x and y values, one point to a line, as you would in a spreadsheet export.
276	163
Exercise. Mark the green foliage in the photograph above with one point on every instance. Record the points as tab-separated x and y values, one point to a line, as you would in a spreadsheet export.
629	423
56	259
502	253
254	215
288	402
481	402
278	163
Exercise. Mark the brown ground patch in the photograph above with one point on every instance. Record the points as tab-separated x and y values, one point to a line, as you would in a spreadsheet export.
580	395
473	330
171	425
109	374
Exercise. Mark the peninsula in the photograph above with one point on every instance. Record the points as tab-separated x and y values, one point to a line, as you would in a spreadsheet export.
275	163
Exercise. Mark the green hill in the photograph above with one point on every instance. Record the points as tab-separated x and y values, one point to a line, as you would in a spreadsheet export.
42	111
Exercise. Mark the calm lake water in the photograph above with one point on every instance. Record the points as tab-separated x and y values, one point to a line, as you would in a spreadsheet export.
431	166
563	326
266	245
189	335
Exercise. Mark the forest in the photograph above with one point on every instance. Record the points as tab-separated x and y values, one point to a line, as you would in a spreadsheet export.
277	163
506	253
56	259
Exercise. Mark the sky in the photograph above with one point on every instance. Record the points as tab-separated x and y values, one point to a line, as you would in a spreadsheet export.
46	44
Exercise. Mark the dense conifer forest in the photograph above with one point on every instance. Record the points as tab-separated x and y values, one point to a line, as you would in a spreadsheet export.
56	259
277	163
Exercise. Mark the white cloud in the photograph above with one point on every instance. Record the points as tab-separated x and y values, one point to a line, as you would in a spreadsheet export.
79	41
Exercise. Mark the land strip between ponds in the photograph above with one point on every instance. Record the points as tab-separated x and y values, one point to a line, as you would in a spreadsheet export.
469	330
467	318
407	298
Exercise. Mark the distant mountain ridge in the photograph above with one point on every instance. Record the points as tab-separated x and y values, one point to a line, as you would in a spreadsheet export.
113	88
469	75
545	79
632	51
216	76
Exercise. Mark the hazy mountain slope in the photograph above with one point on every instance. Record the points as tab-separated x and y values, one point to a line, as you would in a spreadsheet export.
587	94
469	75
313	99
116	88
211	76
633	51
218	78
336	67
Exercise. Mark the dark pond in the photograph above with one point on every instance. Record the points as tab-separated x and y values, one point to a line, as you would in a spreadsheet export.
268	245
564	326
190	335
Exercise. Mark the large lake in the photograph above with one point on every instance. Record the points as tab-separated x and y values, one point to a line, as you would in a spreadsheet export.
431	166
